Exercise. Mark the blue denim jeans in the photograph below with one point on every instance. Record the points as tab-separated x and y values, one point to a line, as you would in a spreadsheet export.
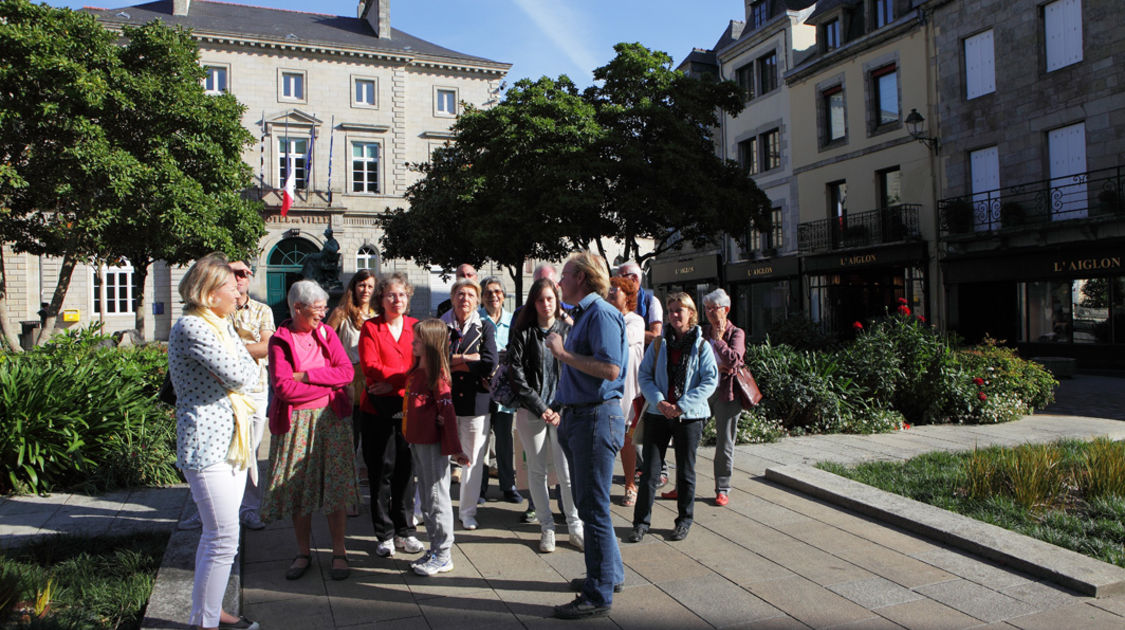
591	437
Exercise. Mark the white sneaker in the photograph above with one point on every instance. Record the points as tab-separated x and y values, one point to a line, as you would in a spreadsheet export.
469	523
578	537
192	522
433	566
386	548
547	541
423	559
409	544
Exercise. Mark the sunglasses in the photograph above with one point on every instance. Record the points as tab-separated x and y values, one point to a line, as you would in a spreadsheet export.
243	273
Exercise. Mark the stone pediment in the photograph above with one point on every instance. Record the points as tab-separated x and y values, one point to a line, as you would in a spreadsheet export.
293	118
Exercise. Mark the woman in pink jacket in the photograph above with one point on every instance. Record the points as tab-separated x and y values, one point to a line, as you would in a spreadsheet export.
311	450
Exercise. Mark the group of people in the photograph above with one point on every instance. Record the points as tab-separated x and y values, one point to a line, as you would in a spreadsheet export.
592	365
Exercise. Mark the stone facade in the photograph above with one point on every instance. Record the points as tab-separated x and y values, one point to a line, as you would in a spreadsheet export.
252	50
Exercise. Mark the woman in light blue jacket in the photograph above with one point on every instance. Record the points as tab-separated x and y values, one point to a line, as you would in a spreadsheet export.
678	374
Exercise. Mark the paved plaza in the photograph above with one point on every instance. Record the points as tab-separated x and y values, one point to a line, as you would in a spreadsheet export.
773	558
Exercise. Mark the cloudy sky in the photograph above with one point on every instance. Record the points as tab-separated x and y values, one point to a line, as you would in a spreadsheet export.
538	37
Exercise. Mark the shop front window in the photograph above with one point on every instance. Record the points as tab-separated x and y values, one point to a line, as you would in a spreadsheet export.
1080	311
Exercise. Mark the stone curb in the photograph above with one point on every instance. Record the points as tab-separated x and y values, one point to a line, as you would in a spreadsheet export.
169	605
1061	566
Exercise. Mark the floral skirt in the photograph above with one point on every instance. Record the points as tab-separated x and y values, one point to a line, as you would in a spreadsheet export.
312	467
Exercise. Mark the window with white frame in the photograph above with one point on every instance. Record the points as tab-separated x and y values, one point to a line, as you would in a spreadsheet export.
293	86
445	102
365	167
364	92
767	72
748	155
771	149
215	79
834	119
1062	29
882	12
115	290
980	65
366	258
297	149
885	82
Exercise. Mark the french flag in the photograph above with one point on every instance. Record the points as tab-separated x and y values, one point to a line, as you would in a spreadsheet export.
290	191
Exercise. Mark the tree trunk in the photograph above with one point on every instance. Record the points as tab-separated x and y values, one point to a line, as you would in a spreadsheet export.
61	287
140	273
516	272
601	251
10	339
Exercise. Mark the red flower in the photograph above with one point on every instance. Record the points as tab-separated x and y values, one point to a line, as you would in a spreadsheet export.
982	396
921	319
905	425
978	381
902	300
903	309
857	325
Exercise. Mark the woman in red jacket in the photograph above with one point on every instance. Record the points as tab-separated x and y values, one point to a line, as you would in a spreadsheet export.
385	356
311	466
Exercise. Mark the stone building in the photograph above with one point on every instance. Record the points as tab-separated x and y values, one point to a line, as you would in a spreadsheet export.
758	268
1031	121
864	184
346	102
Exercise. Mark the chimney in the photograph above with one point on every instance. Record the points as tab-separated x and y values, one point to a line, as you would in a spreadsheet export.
180	7
378	15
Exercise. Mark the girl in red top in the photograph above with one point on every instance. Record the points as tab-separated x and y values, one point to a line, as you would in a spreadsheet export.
429	424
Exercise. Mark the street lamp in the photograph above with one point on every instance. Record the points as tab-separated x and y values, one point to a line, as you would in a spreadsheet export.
914	122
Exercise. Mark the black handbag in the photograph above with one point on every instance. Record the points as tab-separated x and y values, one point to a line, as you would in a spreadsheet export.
167	391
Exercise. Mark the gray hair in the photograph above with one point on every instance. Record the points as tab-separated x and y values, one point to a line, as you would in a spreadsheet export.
630	267
544	270
304	292
718	297
493	280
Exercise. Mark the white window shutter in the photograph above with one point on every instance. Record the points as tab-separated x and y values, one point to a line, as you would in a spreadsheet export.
1062	25
980	65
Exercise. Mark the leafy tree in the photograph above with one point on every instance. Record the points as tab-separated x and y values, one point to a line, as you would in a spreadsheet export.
113	151
661	178
514	186
548	171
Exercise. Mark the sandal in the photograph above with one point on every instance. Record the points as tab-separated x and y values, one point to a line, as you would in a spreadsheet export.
630	498
294	572
339	574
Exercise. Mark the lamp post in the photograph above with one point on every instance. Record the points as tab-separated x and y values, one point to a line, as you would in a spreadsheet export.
914	126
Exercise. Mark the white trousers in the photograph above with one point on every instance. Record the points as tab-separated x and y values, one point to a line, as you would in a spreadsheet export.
252	498
473	433
541	445
217	492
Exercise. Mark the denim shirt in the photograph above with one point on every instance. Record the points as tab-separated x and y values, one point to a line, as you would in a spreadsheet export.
598	332
702	379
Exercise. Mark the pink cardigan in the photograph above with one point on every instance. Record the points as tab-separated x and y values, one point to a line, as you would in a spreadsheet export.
331	380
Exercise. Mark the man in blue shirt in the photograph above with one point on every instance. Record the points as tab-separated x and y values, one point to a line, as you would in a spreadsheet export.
592	430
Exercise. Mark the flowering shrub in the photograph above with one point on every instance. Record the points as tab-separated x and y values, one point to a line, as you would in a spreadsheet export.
754	427
899	371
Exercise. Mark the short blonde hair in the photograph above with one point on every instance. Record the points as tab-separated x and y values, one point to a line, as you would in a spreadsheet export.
685	301
203	278
462	283
597	274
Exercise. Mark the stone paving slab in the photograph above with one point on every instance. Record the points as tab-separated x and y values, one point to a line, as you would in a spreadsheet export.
1068	568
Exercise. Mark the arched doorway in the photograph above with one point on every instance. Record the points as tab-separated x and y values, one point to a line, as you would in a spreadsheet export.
283	268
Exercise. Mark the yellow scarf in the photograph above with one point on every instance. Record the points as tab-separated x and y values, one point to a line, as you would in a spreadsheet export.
239	454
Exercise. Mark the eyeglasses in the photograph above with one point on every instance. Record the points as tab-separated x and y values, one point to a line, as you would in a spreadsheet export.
316	309
243	273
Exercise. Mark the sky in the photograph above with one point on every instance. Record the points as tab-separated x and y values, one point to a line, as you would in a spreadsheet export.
538	37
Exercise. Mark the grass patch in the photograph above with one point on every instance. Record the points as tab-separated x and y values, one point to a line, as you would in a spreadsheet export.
87	583
1068	493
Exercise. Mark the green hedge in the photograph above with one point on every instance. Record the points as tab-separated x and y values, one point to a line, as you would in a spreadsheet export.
897	371
80	413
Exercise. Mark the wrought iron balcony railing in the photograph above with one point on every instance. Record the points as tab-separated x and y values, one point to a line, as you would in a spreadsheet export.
862	229
1093	194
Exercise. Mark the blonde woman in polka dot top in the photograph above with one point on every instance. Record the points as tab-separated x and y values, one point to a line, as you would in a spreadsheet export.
210	368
